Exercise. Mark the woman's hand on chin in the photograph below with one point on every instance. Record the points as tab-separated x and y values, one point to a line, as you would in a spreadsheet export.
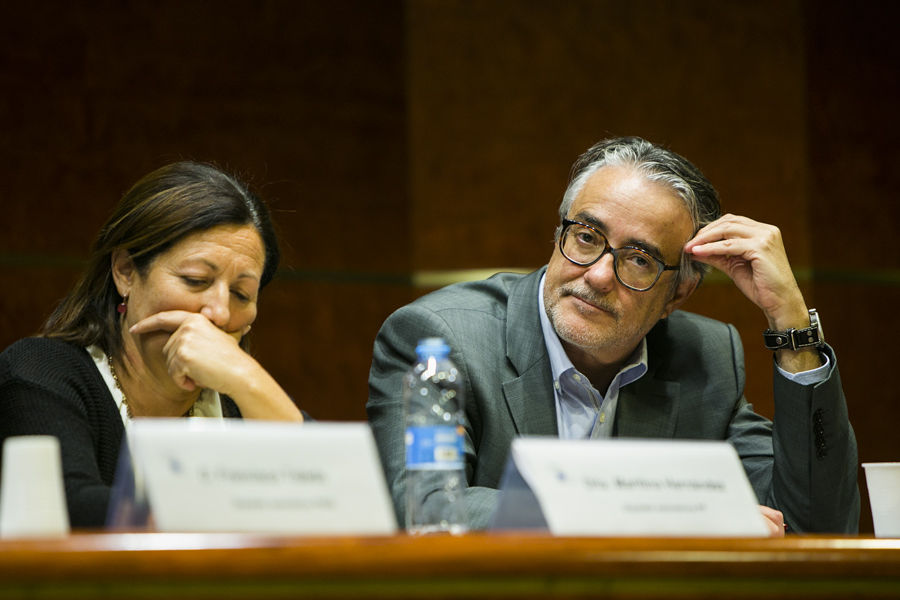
199	354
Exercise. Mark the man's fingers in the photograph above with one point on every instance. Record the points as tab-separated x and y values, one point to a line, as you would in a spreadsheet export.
722	247
774	520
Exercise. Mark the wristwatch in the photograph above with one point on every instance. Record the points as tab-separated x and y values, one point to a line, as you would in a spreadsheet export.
797	338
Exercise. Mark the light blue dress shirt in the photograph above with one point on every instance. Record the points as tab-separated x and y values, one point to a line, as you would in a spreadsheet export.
581	411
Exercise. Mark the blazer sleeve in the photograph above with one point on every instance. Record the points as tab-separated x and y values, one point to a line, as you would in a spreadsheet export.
393	353
815	472
805	462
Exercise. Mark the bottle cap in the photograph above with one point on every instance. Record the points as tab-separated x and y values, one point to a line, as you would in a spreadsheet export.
434	346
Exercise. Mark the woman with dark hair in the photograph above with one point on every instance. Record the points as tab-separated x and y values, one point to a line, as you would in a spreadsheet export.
155	327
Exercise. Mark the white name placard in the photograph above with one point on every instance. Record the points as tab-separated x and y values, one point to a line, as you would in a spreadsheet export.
267	477
634	488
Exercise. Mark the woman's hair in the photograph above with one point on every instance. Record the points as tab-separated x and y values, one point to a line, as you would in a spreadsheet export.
658	165
160	210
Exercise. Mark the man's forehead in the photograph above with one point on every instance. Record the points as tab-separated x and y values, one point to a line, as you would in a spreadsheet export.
631	209
630	188
627	181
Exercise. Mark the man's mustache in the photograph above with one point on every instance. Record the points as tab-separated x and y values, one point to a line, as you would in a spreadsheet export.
586	294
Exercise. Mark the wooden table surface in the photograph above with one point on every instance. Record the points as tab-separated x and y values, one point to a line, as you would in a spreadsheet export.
194	565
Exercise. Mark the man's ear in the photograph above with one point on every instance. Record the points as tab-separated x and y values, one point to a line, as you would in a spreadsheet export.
682	293
123	271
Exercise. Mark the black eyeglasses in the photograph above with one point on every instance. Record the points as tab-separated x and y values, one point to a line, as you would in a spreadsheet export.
634	267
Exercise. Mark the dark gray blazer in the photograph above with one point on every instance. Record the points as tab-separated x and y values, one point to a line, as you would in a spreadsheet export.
805	465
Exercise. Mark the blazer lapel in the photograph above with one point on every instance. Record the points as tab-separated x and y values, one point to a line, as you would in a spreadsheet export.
532	410
529	396
648	408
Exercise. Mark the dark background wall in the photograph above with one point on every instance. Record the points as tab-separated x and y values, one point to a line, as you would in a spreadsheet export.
401	141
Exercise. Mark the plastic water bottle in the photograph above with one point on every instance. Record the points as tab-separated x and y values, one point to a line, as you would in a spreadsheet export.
435	419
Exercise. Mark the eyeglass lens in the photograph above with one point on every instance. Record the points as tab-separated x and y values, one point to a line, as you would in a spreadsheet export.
633	267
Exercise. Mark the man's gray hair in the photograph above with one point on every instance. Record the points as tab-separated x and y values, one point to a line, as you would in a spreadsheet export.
658	165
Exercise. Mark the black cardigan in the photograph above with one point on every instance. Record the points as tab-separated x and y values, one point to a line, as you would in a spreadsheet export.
50	387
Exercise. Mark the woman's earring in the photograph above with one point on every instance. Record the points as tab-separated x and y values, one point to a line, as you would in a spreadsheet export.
123	305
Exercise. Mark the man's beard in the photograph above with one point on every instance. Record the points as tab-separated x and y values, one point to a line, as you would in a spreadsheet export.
583	335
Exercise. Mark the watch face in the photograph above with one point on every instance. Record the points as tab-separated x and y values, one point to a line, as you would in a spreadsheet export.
815	321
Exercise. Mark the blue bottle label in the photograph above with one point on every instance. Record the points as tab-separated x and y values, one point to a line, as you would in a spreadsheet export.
437	447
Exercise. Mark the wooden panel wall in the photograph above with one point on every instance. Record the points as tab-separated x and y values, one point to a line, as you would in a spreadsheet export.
854	141
305	99
497	122
429	135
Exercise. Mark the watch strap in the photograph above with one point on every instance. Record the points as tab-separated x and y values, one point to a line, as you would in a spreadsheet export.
795	339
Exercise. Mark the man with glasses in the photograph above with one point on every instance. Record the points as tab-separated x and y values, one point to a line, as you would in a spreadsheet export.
592	346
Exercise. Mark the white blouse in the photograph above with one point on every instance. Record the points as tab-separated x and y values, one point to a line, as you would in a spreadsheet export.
208	405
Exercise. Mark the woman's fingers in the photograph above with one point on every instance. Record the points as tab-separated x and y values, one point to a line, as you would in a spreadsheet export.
166	321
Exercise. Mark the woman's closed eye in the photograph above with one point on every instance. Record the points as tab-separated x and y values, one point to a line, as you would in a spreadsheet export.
194	281
242	297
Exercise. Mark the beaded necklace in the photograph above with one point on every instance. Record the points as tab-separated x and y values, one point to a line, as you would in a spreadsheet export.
112	369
